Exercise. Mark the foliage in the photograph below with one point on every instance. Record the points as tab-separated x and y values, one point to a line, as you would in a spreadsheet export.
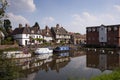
7	26
115	75
62	42
8	69
75	78
8	40
38	39
3	30
3	5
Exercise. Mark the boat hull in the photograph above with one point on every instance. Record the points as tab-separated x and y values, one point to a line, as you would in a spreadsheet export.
61	49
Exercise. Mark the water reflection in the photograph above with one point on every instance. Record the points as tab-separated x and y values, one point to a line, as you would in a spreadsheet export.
103	60
79	64
45	62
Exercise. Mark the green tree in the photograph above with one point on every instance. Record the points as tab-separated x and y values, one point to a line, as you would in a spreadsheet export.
3	6
8	69
7	26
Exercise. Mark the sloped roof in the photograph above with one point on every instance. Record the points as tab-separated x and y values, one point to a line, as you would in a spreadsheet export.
60	30
36	30
47	32
22	30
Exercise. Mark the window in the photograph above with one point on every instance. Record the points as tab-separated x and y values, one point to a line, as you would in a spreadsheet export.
115	28
109	28
89	29
93	29
101	38
109	38
101	28
32	31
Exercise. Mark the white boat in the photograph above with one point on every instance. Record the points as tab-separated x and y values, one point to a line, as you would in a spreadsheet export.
43	51
15	54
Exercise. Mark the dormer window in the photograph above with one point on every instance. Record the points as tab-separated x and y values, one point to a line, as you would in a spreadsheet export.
47	33
32	31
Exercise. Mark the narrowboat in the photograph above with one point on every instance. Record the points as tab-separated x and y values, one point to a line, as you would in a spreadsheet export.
43	51
16	54
61	49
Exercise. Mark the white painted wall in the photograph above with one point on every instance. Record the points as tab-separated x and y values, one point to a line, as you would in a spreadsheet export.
21	38
103	61
102	34
48	39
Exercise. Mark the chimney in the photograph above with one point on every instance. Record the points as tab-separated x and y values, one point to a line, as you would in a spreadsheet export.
57	26
20	25
26	25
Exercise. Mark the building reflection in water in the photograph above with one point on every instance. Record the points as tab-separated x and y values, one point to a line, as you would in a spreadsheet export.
54	62
47	62
103	61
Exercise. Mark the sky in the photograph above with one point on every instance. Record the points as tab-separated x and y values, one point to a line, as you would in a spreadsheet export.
73	15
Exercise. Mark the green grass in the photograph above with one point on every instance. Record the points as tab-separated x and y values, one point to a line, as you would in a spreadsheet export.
115	75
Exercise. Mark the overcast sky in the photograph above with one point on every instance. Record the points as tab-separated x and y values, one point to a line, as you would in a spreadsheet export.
73	15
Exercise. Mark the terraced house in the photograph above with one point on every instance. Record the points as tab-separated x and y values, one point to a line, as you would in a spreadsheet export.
103	35
34	35
27	35
47	34
60	34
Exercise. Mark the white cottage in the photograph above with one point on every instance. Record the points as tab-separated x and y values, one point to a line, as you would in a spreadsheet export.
47	34
26	35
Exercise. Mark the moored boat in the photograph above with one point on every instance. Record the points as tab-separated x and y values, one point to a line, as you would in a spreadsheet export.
61	49
15	54
43	51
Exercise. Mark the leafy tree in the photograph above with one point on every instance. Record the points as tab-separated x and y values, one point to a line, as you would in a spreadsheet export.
3	6
8	69
7	26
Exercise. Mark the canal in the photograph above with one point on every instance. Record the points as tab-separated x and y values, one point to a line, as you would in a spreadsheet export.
70	65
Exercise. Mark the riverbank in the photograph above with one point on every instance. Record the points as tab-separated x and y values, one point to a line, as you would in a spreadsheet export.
3	47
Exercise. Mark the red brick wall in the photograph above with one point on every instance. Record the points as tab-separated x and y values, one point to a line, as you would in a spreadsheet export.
92	37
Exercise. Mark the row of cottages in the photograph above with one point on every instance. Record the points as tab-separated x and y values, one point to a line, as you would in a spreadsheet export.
103	35
34	35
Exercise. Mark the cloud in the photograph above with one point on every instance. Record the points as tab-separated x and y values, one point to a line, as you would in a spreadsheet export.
17	19
21	5
117	7
85	19
47	20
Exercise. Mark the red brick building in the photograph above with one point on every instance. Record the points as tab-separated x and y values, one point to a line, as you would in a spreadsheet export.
103	35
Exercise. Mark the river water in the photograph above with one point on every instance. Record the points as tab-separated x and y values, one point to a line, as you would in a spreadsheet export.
75	65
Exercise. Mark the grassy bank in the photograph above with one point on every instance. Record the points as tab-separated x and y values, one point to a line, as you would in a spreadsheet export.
115	75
